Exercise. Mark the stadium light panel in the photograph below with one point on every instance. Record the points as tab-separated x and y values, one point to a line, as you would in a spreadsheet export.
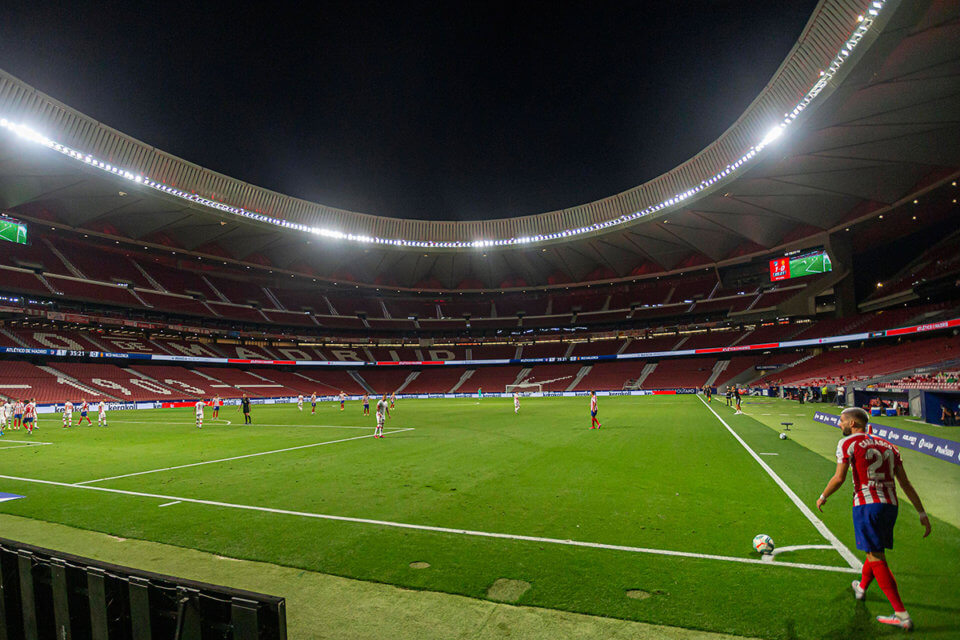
825	76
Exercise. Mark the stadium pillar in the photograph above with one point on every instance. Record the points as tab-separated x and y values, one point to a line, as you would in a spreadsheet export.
840	248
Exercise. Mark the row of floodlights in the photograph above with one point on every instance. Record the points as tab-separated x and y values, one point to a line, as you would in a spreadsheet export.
864	23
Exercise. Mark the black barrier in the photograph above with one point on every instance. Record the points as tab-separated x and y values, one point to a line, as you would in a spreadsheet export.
46	594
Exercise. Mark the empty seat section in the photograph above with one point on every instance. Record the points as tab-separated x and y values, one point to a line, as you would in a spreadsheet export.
174	304
553	377
93	292
597	348
492	379
493	352
297	300
233	380
183	382
611	376
385	379
240	292
436	380
114	381
545	350
689	289
56	339
101	263
660	343
21	282
737	366
295	384
332	381
677	373
35	254
23	381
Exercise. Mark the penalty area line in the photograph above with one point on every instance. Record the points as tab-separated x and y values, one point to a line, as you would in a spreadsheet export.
818	524
462	532
248	455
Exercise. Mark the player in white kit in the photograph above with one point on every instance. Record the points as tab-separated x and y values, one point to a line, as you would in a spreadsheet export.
101	414
199	408
300	403
382	412
516	402
67	414
3	414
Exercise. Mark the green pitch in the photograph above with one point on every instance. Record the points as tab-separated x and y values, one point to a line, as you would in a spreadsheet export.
660	504
13	232
810	265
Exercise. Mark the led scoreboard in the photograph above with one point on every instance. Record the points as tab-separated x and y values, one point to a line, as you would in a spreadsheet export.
12	230
799	264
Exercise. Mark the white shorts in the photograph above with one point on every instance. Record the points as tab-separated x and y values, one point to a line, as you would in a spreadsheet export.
380	420
68	416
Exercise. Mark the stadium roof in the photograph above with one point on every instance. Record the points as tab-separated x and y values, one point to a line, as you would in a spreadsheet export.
863	114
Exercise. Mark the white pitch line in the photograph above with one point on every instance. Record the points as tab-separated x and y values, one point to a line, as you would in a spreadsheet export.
255	424
463	532
33	442
769	454
167	504
248	455
814	520
23	446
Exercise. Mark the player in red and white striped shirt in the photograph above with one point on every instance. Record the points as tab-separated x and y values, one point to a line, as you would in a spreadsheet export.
594	423
876	465
30	416
84	412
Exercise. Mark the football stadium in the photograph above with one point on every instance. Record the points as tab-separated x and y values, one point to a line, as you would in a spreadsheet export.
228	412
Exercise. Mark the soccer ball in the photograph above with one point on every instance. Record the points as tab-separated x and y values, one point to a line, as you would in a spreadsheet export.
763	543
783	436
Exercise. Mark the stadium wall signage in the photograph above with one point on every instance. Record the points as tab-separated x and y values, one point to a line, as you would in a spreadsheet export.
941	448
790	344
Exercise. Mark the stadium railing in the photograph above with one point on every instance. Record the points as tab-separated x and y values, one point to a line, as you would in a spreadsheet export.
45	594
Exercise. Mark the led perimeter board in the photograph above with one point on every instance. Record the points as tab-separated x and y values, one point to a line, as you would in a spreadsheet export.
12	230
797	265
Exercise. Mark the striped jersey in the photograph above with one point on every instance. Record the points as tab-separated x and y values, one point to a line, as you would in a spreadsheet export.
873	462
84	407
593	403
29	410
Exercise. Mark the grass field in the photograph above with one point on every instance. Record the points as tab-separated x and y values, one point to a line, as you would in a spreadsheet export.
661	503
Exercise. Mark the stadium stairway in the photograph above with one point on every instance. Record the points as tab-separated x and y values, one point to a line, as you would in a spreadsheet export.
466	376
359	380
581	374
69	381
718	368
410	378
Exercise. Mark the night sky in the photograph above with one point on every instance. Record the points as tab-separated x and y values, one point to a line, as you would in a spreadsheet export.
437	110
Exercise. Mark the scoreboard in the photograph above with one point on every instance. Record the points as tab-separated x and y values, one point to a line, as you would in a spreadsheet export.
12	230
808	263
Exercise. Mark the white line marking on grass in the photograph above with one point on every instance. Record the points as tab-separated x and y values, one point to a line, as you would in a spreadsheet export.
24	446
769	454
248	455
814	520
167	504
255	424
422	527
33	442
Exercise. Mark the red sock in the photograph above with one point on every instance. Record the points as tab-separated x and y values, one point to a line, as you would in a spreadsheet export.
888	584
867	576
